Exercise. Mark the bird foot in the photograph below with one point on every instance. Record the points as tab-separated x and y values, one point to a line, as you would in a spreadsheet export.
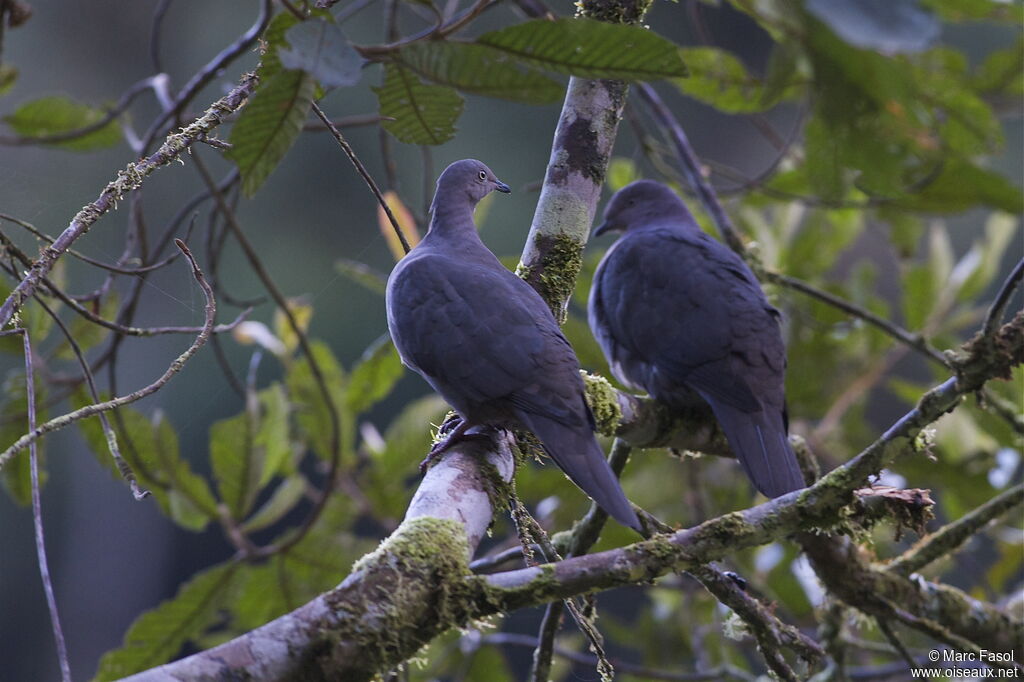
455	434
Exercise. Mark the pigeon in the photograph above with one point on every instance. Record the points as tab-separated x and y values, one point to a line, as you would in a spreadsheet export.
682	317
488	343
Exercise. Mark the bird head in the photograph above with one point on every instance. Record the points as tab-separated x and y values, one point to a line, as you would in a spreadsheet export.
469	179
641	203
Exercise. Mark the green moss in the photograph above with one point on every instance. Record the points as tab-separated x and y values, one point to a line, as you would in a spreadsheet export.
561	258
604	403
614	11
413	589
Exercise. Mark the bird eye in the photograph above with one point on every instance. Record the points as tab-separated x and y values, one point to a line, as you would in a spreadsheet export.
483	175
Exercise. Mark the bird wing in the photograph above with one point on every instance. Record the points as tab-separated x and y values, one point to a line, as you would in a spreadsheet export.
681	309
480	334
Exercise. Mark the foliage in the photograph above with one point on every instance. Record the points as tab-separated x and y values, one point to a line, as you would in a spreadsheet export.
899	135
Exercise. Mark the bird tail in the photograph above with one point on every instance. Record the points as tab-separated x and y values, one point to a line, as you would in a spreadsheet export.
577	452
760	443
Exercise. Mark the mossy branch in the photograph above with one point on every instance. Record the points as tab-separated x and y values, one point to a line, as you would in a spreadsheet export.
553	254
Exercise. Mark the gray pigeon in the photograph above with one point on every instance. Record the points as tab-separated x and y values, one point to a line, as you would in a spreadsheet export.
487	342
679	315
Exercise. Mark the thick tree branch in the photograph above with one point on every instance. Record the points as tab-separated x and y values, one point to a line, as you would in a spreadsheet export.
412	588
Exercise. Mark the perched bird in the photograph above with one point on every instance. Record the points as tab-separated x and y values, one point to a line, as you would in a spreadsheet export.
679	315
487	342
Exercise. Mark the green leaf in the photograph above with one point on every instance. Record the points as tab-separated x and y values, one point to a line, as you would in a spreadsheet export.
158	635
273	439
312	417
233	456
1000	228
282	501
8	77
269	125
16	473
319	48
272	41
589	48
423	114
88	334
1002	71
374	376
719	78
59	114
479	70
888	26
362	274
190	502
407	440
961	185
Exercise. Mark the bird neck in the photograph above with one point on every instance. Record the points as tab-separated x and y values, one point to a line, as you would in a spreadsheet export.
453	218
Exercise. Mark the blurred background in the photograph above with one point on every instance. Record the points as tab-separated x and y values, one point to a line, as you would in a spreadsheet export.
111	557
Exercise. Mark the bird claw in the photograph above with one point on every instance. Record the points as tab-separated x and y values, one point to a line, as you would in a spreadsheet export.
455	434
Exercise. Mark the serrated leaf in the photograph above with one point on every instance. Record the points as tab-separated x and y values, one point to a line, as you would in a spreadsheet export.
362	274
190	503
8	77
888	26
479	70
374	376
321	49
158	635
719	78
282	501
59	114
233	459
589	48
269	125
423	114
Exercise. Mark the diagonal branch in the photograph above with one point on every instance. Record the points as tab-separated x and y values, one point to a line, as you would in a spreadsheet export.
127	180
98	408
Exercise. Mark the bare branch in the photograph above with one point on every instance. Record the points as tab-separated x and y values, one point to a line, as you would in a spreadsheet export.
952	536
97	408
37	506
351	154
127	180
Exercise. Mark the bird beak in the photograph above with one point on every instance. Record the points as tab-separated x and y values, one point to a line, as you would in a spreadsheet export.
502	187
601	229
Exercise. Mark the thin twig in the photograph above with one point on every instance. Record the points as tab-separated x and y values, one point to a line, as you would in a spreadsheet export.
897	644
950	537
127	180
97	408
37	505
361	169
1002	299
691	166
584	534
335	444
513	639
122	104
915	341
206	74
123	467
